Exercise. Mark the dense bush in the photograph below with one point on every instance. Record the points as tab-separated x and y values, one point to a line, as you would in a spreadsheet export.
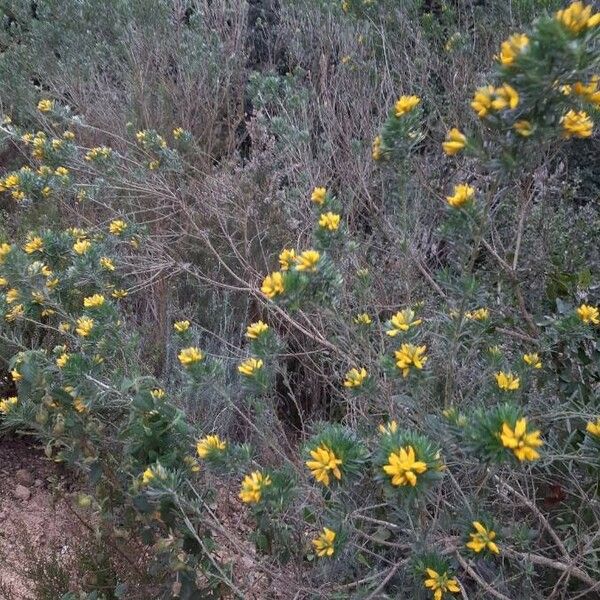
333	261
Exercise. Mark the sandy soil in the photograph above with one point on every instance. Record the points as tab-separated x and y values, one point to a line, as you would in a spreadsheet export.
28	512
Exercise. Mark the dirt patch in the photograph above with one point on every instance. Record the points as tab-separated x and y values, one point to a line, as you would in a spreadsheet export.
31	517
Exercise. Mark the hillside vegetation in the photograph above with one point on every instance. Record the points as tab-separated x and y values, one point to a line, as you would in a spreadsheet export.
305	292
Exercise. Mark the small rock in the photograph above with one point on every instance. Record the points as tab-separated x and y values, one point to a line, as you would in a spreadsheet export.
38	483
24	477
22	493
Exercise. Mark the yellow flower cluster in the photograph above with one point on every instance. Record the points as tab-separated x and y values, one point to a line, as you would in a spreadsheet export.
405	104
577	124
7	403
512	48
403	467
209	444
402	321
190	356
589	314
482	539
256	330
489	98
250	367
84	326
376	152
522	443
455	142
463	193
479	314
95	301
363	319
324	544
507	381
34	244
100	152
287	258
533	360
117	227
329	221
253	486
324	462
181	326
355	377
440	583
577	17
409	355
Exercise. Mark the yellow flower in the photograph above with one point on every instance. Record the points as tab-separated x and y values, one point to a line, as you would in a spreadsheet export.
482	100
287	258
5	250
12	181
147	476
62	172
62	360
330	221
507	381
512	47
256	330
45	105
522	443
376	152
52	283
589	314
7	403
95	301
82	246
533	360
405	104
181	326
523	127
482	538
250	367
69	135
158	393
192	463
308	261
505	97
35	244
355	377
209	444
318	195
480	314
388	428
46	271
273	285
100	152
363	319
84	326
119	294
577	17
16	312
117	227
404	467
12	295
440	583
408	355
403	321
577	124
324	461
178	132
153	165
324	543
190	356
16	376
64	327
37	297
593	427
107	263
455	142
3	281
79	405
252	487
